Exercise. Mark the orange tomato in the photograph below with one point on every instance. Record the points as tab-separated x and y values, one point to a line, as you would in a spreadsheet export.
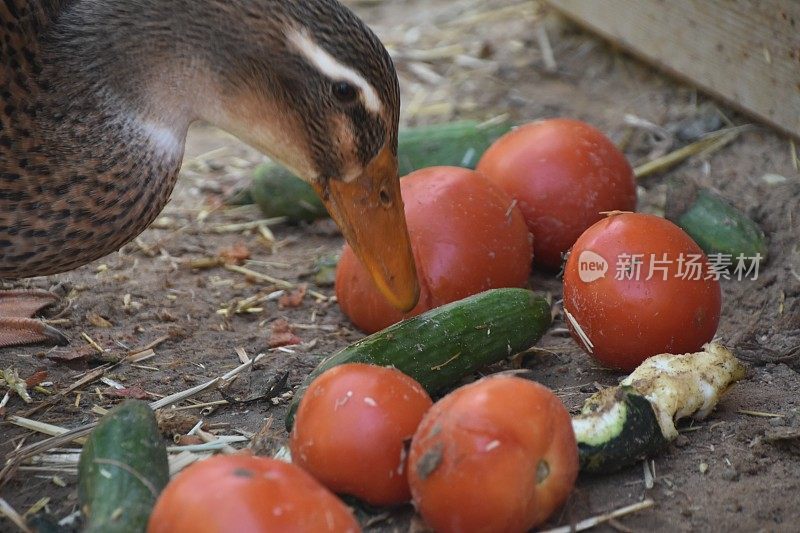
629	286
466	235
248	494
563	173
353	427
498	455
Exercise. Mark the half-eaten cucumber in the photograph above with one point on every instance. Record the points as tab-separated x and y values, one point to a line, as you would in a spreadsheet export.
620	425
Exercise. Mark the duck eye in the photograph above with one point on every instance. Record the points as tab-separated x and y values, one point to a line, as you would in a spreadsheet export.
344	92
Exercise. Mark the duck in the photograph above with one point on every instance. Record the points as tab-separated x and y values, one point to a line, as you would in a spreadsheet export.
96	99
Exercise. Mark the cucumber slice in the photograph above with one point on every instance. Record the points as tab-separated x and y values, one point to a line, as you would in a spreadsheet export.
616	427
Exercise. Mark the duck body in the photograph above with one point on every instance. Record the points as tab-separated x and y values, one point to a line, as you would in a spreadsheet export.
80	174
96	98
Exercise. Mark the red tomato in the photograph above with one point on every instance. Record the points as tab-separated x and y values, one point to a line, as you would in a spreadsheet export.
353	427
498	455
625	317
563	173
248	494
466	235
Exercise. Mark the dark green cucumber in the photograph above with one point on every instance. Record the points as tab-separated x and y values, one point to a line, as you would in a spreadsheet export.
442	346
456	144
616	427
716	226
122	469
279	193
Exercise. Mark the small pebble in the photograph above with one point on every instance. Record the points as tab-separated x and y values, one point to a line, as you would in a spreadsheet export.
730	474
774	179
681	441
703	468
692	128
777	422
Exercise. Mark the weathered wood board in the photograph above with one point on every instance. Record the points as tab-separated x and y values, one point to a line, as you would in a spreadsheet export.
746	52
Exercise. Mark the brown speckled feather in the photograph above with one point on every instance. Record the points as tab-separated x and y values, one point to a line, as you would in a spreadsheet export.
62	206
96	97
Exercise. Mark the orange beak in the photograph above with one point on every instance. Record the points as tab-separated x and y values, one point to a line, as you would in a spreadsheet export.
369	211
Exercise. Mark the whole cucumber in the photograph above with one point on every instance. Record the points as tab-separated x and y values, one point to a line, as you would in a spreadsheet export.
279	193
122	469
442	346
716	226
455	144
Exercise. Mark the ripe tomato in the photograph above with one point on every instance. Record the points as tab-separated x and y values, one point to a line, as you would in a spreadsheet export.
248	494
352	430
629	285
466	235
498	455
563	173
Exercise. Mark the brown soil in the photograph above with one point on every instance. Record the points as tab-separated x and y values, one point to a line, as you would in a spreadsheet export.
147	290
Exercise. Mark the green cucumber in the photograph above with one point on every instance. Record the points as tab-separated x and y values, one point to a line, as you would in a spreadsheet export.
616	427
279	193
455	144
122	469
717	227
442	346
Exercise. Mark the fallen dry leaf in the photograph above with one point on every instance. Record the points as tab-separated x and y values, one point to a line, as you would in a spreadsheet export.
37	378
98	321
294	298
236	254
282	335
71	355
172	423
188	440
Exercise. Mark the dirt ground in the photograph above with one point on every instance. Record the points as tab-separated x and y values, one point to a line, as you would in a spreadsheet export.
470	58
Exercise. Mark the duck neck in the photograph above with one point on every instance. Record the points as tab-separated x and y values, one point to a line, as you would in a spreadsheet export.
133	64
147	57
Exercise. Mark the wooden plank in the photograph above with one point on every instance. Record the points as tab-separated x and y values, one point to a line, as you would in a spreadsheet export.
746	52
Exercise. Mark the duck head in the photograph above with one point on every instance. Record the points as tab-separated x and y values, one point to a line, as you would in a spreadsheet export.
307	83
314	88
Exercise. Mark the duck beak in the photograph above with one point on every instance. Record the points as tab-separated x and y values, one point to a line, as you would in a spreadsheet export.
369	211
